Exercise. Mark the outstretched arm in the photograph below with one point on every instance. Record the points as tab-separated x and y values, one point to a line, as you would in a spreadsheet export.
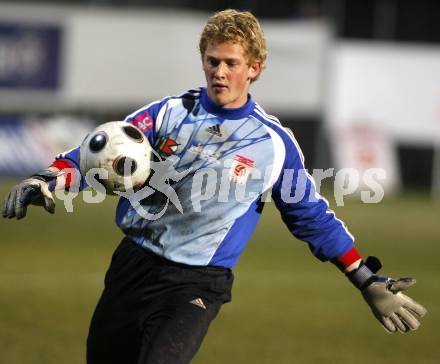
310	219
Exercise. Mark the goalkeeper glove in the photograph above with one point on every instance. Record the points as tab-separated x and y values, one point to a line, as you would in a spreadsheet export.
33	190
394	310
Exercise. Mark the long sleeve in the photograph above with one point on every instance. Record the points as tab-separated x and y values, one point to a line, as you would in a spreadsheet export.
306	213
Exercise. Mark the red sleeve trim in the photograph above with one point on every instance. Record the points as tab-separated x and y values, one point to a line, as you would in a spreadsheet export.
62	164
347	259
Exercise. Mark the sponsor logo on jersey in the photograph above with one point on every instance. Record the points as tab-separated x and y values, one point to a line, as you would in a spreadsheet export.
143	121
240	169
215	130
206	154
168	146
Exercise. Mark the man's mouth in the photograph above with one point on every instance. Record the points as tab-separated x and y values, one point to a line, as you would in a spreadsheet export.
219	87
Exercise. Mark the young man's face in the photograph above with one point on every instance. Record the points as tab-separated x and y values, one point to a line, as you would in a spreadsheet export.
228	74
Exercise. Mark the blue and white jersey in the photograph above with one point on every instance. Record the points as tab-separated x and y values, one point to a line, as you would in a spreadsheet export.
223	164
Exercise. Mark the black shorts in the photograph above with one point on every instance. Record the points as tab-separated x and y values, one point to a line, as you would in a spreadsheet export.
153	310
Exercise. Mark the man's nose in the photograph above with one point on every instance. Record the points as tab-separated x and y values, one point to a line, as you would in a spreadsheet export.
220	70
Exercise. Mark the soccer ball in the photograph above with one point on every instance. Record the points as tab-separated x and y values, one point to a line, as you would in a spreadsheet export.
121	151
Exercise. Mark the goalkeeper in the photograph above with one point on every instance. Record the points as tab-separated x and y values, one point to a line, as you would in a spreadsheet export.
170	276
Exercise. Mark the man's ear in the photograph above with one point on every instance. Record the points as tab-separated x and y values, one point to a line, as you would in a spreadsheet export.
254	70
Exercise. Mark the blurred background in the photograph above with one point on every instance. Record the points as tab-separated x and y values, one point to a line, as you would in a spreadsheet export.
358	82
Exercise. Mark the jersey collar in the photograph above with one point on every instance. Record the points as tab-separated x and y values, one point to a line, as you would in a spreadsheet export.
236	113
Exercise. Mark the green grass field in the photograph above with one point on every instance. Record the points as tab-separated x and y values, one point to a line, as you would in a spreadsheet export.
287	306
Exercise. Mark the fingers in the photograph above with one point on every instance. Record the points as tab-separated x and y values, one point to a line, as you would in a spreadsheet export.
49	204
5	206
401	321
388	324
401	284
398	323
20	207
9	207
25	196
404	319
414	307
13	205
408	319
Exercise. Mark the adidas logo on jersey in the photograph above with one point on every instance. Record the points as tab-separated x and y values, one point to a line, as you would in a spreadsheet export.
215	129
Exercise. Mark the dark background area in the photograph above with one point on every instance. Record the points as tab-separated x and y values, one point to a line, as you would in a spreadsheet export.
394	20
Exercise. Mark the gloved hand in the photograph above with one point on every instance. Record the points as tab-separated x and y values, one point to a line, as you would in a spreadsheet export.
33	190
394	310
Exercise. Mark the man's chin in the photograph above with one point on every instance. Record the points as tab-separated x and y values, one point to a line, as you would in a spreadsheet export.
220	101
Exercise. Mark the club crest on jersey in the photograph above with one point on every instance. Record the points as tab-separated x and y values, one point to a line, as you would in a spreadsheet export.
143	121
215	130
240	169
168	146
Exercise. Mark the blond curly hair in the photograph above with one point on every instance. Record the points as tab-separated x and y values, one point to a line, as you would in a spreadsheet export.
236	26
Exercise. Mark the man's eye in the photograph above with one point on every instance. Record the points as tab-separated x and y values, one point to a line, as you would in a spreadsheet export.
213	62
